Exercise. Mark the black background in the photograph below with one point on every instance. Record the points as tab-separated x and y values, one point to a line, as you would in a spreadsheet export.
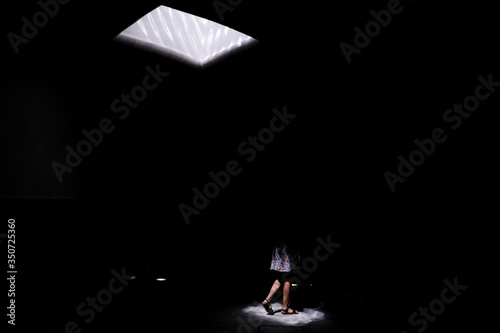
323	175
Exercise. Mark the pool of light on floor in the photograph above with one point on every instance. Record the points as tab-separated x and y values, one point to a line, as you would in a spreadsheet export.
257	313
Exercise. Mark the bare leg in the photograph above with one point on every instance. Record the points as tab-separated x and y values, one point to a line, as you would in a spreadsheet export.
286	297
276	285
267	302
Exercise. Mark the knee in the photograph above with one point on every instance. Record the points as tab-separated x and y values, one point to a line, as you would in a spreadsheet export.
277	284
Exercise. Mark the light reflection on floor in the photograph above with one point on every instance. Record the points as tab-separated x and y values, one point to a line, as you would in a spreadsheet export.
257	312
253	318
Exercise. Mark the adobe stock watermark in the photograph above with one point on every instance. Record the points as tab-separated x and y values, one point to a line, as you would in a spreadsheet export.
453	117
93	305
30	27
222	6
121	107
309	265
249	149
421	319
372	29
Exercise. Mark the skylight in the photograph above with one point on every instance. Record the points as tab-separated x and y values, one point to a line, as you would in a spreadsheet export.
185	37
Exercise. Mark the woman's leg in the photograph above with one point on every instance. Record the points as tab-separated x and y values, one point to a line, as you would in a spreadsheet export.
276	285
286	297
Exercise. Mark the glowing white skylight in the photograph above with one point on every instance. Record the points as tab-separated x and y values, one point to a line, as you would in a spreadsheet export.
185	37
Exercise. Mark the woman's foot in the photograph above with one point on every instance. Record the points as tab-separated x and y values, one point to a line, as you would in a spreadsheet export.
289	311
267	305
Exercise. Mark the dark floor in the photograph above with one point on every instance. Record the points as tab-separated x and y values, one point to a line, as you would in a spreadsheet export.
372	279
